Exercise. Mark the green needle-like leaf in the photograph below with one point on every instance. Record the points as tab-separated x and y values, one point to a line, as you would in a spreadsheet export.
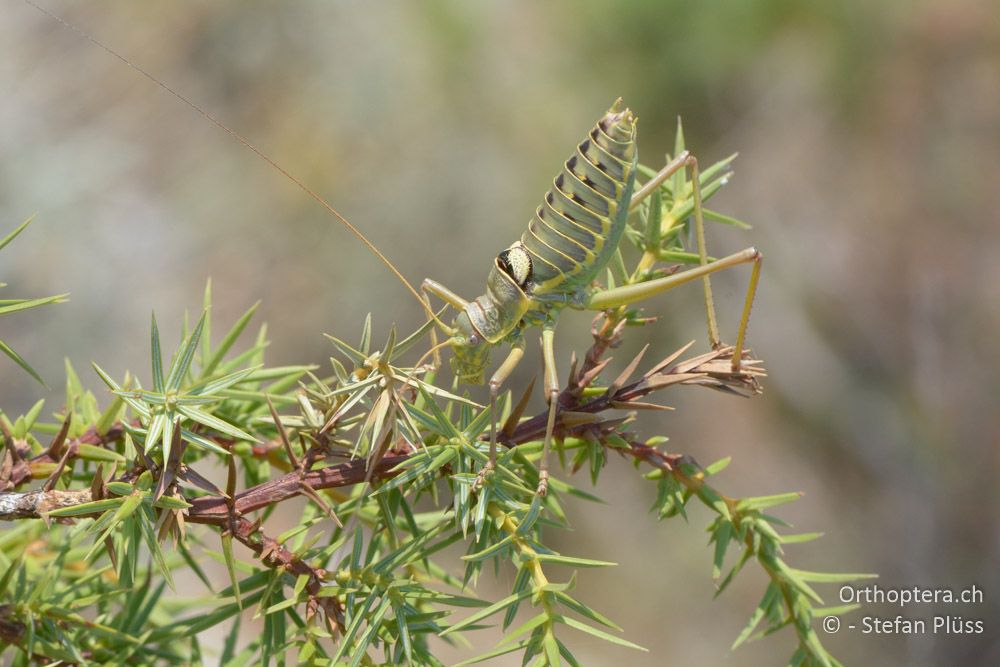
156	356
227	552
715	216
679	180
832	577
171	503
654	220
490	550
721	536
551	647
718	466
600	634
146	525
26	304
573	561
528	626
356	356
20	228
205	419
228	340
82	509
495	653
800	538
210	387
487	612
19	360
168	436
129	400
763	502
199	440
95	453
374	622
182	362
155	431
357	620
586	611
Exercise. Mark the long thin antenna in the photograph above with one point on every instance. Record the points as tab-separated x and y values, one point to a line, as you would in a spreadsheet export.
240	138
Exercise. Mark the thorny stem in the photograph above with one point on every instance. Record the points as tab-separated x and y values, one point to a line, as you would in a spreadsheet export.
17	469
229	513
606	329
276	556
212	510
709	369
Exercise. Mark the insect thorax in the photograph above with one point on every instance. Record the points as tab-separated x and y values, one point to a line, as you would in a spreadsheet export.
500	310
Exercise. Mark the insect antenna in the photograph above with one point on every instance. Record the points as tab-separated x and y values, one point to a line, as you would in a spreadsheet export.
435	348
243	140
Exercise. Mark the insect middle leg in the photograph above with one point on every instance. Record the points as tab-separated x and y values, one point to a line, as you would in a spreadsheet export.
551	387
496	381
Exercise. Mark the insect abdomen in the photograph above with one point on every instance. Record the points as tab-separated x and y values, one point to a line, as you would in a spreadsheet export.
577	228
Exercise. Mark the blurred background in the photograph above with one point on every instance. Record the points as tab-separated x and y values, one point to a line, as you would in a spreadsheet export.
869	141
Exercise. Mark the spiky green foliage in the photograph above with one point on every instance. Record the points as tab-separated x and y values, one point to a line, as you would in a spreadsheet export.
389	457
12	305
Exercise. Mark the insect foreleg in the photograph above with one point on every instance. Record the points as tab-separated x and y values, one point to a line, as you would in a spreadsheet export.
429	287
440	291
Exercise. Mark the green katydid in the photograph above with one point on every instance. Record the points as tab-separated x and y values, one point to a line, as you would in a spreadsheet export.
572	237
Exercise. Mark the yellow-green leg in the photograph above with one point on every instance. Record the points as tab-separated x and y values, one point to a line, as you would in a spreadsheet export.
552	396
699	231
498	378
496	381
440	291
627	294
685	159
427	288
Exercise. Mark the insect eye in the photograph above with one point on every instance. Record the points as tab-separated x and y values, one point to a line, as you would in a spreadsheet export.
473	340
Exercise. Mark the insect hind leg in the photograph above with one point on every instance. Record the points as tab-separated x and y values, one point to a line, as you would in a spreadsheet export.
627	294
699	227
686	160
756	258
